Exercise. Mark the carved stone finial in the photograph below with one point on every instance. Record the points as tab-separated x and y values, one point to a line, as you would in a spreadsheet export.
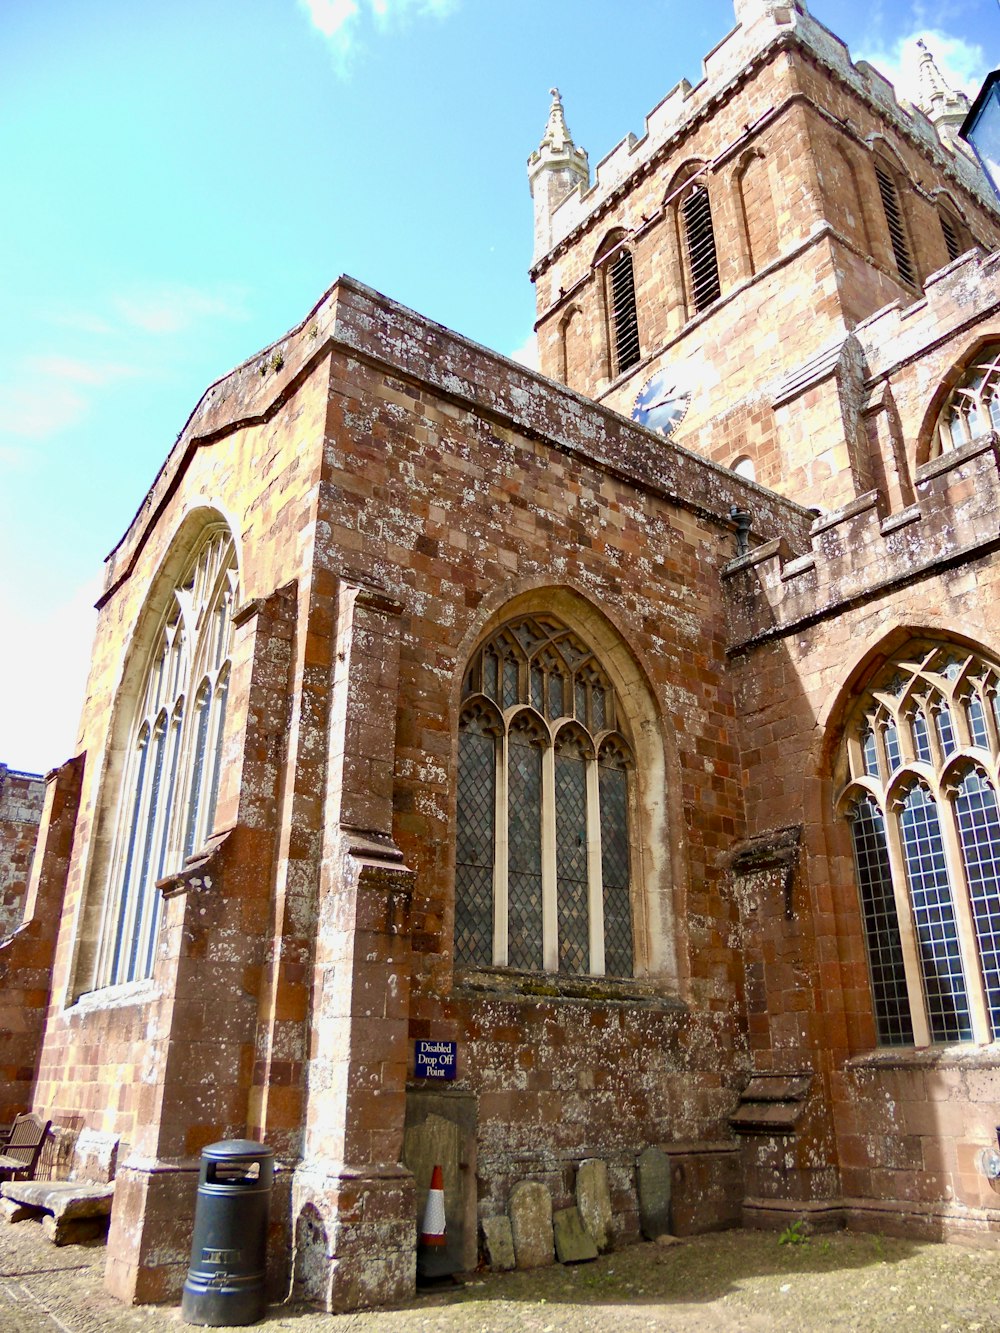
937	99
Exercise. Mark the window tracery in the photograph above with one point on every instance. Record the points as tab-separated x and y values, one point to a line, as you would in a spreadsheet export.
173	767
543	861
923	759
973	407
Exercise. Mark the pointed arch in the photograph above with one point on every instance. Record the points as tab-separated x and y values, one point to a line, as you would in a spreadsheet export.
570	879
925	822
160	786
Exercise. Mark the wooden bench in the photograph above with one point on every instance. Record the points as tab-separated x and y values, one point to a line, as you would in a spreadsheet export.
70	1210
24	1147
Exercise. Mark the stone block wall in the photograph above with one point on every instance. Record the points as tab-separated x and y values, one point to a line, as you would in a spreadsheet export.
21	797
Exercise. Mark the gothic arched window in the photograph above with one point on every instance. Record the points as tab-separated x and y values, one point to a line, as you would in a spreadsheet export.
543	878
892	206
615	261
973	406
173	764
922	756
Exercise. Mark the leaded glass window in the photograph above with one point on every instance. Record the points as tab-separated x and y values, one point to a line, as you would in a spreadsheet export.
973	406
927	846
173	769
543	862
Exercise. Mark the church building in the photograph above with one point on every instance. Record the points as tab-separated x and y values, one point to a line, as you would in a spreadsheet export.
626	734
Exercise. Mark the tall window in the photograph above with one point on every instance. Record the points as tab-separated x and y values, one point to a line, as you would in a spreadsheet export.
172	770
892	207
703	261
543	860
973	407
921	798
615	261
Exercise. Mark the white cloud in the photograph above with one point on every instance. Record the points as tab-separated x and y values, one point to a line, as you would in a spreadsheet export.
42	685
44	394
340	21
175	308
527	353
962	63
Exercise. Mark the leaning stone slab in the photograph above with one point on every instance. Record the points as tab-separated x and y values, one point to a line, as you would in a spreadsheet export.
65	1199
654	1192
11	1211
499	1242
593	1198
74	1230
530	1211
574	1244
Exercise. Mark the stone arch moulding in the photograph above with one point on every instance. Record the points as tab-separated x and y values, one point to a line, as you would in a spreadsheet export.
834	716
659	921
926	441
193	530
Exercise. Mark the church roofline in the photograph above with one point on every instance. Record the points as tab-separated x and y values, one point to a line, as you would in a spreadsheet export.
362	322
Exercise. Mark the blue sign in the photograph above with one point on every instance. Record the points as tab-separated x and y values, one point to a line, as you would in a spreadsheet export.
435	1059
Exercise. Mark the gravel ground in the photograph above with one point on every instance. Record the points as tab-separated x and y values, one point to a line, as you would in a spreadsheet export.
740	1280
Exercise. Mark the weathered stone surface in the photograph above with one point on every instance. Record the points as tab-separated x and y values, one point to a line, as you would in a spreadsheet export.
653	1169
574	1244
593	1198
499	1239
530	1211
11	1211
73	1230
64	1199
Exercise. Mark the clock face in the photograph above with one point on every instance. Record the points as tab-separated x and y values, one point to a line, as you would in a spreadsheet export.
661	403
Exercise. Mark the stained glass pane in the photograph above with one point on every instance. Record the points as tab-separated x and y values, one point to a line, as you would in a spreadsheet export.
556	705
491	675
977	722
597	704
934	919
946	732
581	702
878	906
524	853
475	848
979	830
144	879
892	746
921	737
511	682
613	784
537	687
869	750
571	862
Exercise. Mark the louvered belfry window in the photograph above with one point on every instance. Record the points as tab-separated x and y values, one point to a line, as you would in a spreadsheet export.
702	257
624	317
925	822
949	230
543	859
894	219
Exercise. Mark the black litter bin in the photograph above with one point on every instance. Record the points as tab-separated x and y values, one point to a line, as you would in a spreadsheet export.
225	1283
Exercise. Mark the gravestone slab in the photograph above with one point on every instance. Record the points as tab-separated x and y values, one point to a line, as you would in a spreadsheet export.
499	1242
530	1212
654	1192
593	1198
574	1243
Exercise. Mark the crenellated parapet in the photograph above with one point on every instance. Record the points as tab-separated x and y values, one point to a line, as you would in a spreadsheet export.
764	28
859	553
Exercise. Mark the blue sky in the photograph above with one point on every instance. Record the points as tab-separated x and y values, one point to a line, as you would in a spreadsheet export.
182	181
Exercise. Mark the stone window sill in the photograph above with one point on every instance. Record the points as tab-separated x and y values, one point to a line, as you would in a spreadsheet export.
959	1056
544	986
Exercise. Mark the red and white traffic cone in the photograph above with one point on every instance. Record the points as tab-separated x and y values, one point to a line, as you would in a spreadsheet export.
433	1262
433	1230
